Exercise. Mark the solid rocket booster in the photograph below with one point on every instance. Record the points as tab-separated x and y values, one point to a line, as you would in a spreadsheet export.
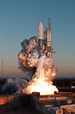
40	35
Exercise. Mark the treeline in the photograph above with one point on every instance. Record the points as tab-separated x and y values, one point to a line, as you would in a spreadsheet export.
2	82
65	85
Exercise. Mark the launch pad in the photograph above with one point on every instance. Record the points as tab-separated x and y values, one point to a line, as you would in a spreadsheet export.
61	103
58	103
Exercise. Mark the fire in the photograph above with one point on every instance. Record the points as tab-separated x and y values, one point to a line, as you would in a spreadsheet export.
44	88
41	85
42	79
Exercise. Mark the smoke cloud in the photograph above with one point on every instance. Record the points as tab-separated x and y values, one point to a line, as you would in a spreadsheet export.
14	86
42	67
29	55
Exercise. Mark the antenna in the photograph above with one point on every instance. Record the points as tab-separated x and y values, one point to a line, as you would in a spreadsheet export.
2	68
49	23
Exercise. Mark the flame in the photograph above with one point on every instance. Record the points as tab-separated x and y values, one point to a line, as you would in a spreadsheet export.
44	88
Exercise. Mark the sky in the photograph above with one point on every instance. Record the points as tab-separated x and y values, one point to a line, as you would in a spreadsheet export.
19	19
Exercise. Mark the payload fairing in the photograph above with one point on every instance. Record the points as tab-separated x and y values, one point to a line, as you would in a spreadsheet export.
40	35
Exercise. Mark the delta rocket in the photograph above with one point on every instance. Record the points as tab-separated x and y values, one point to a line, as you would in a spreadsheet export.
48	37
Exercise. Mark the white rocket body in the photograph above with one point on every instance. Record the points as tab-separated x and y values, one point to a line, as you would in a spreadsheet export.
40	31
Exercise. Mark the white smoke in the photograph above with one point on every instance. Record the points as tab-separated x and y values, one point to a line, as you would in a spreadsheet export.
42	68
44	73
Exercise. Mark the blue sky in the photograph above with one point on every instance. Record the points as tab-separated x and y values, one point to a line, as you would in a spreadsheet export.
19	19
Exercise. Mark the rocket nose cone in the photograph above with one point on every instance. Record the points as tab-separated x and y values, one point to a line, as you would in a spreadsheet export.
40	24
40	30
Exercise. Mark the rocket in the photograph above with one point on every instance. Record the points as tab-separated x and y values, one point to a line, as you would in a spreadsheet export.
40	35
48	36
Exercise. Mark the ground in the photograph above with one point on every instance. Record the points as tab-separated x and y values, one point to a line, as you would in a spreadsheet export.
25	110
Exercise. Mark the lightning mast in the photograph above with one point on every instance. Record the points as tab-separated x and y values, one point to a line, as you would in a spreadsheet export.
2	68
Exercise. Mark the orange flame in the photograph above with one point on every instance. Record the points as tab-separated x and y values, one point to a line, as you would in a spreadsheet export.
43	83
45	88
